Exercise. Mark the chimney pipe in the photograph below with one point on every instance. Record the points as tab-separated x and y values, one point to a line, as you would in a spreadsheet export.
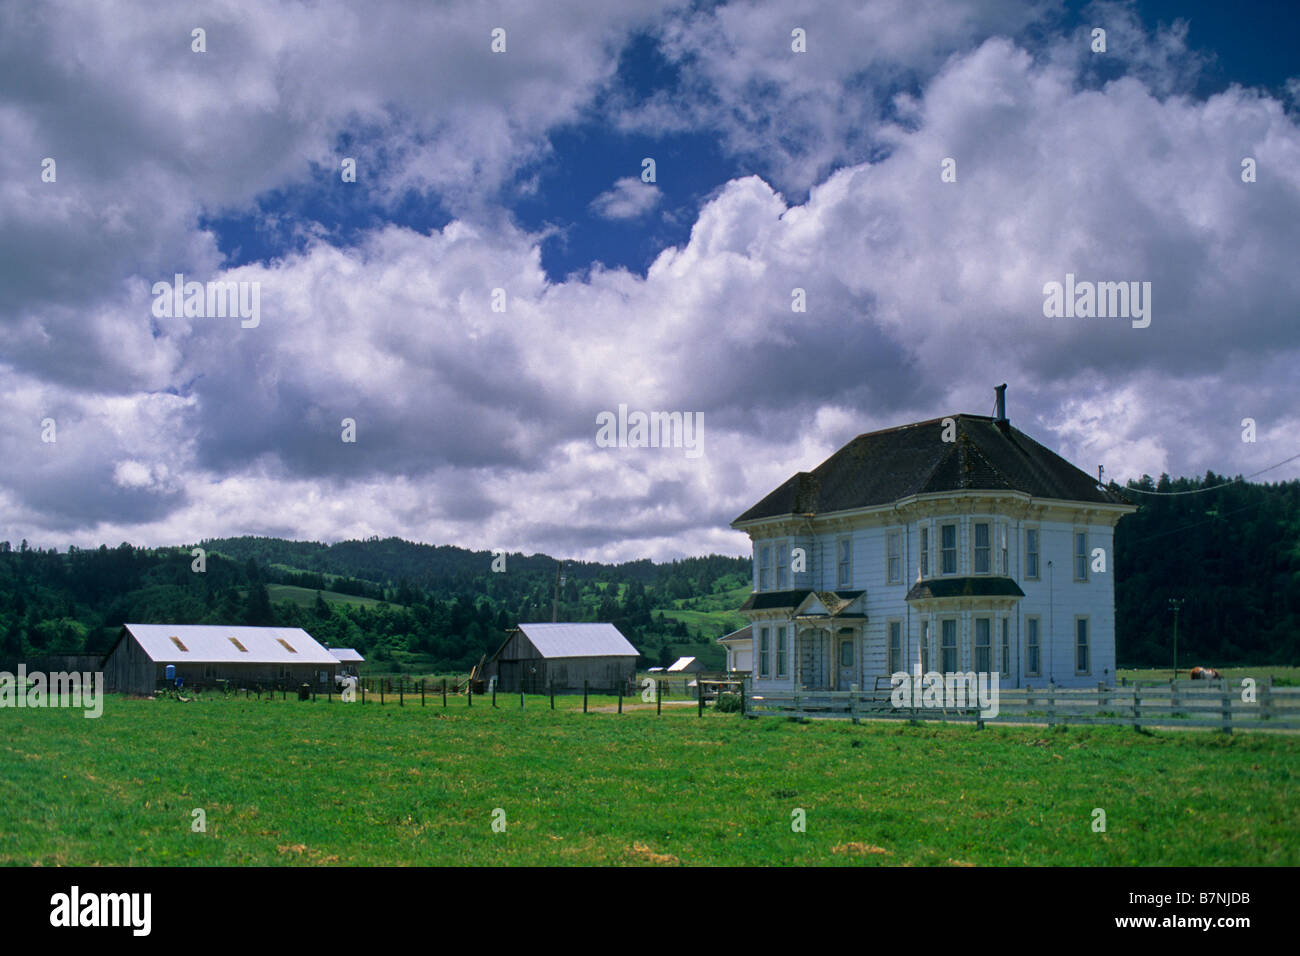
1001	391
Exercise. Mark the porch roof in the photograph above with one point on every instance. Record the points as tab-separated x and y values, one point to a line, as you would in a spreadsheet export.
783	600
982	585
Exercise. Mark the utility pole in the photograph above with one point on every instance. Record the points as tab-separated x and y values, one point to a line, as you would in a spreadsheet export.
559	583
1176	605
1051	626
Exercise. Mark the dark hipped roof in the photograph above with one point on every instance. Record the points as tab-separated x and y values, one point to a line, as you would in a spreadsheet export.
884	466
978	586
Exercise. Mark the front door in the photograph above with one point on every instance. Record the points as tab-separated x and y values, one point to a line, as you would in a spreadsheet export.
847	660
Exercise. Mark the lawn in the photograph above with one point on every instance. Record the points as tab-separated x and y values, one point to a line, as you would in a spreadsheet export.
285	782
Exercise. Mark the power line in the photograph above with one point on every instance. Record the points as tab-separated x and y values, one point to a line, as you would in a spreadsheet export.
1197	491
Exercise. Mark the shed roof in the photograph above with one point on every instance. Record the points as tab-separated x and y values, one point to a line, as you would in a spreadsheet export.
345	654
742	636
217	643
681	664
578	640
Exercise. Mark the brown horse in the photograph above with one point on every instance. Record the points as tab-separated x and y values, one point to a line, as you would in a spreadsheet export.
1205	673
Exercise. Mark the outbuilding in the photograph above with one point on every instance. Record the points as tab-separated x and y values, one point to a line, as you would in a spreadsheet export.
204	654
537	657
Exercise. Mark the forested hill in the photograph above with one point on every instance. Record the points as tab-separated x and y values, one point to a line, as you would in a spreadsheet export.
1232	553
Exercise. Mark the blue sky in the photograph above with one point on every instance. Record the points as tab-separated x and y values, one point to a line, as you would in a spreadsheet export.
520	172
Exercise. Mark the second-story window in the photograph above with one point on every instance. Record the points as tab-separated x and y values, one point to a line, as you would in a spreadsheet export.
1004	558
1031	553
948	548
925	551
1080	556
982	547
894	558
782	566
765	567
844	571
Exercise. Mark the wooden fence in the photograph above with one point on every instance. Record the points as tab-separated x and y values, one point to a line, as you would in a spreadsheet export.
1177	704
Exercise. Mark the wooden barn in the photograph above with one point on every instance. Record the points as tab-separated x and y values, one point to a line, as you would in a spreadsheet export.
538	656
205	654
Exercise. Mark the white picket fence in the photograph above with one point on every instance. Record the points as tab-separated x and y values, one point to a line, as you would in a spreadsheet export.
1221	705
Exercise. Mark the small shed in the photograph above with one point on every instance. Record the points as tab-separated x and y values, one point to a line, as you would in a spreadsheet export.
348	659
537	657
739	646
205	654
685	665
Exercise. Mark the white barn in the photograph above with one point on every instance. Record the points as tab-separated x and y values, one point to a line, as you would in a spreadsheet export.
204	654
739	646
956	544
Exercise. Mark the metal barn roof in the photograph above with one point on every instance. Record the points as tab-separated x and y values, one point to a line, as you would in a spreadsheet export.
578	640
681	664
229	645
345	655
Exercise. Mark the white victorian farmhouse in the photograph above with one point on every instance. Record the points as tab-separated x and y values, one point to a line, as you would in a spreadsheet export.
957	544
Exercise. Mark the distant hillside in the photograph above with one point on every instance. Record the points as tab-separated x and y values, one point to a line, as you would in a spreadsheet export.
1232	553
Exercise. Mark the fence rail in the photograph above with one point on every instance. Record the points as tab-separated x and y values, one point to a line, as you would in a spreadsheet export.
1220	706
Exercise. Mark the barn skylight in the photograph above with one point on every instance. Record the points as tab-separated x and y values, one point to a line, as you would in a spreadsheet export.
177	641
287	647
238	645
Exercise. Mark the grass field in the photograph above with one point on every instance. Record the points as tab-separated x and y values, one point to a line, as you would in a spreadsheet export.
286	782
1282	676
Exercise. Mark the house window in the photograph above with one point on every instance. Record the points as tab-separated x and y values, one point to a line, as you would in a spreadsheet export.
1080	556
782	567
983	645
1004	560
1082	658
765	568
782	650
982	544
1031	553
948	647
895	646
764	652
925	647
846	653
894	558
925	551
948	548
1006	647
1033	648
844	574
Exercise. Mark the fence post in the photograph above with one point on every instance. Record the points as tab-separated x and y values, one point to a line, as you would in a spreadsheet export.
401	692
421	691
1051	705
699	693
659	697
1227	709
1173	691
444	693
469	697
494	693
552	693
742	697
1266	699
1101	694
620	697
584	695
521	696
284	691
329	692
1137	705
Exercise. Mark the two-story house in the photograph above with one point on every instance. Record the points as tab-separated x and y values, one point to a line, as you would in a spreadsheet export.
956	544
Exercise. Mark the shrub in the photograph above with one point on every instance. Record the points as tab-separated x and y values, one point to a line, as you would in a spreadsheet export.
728	703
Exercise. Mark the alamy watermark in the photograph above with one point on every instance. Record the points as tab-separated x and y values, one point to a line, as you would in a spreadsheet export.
956	690
1102	300
57	689
651	430
213	300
